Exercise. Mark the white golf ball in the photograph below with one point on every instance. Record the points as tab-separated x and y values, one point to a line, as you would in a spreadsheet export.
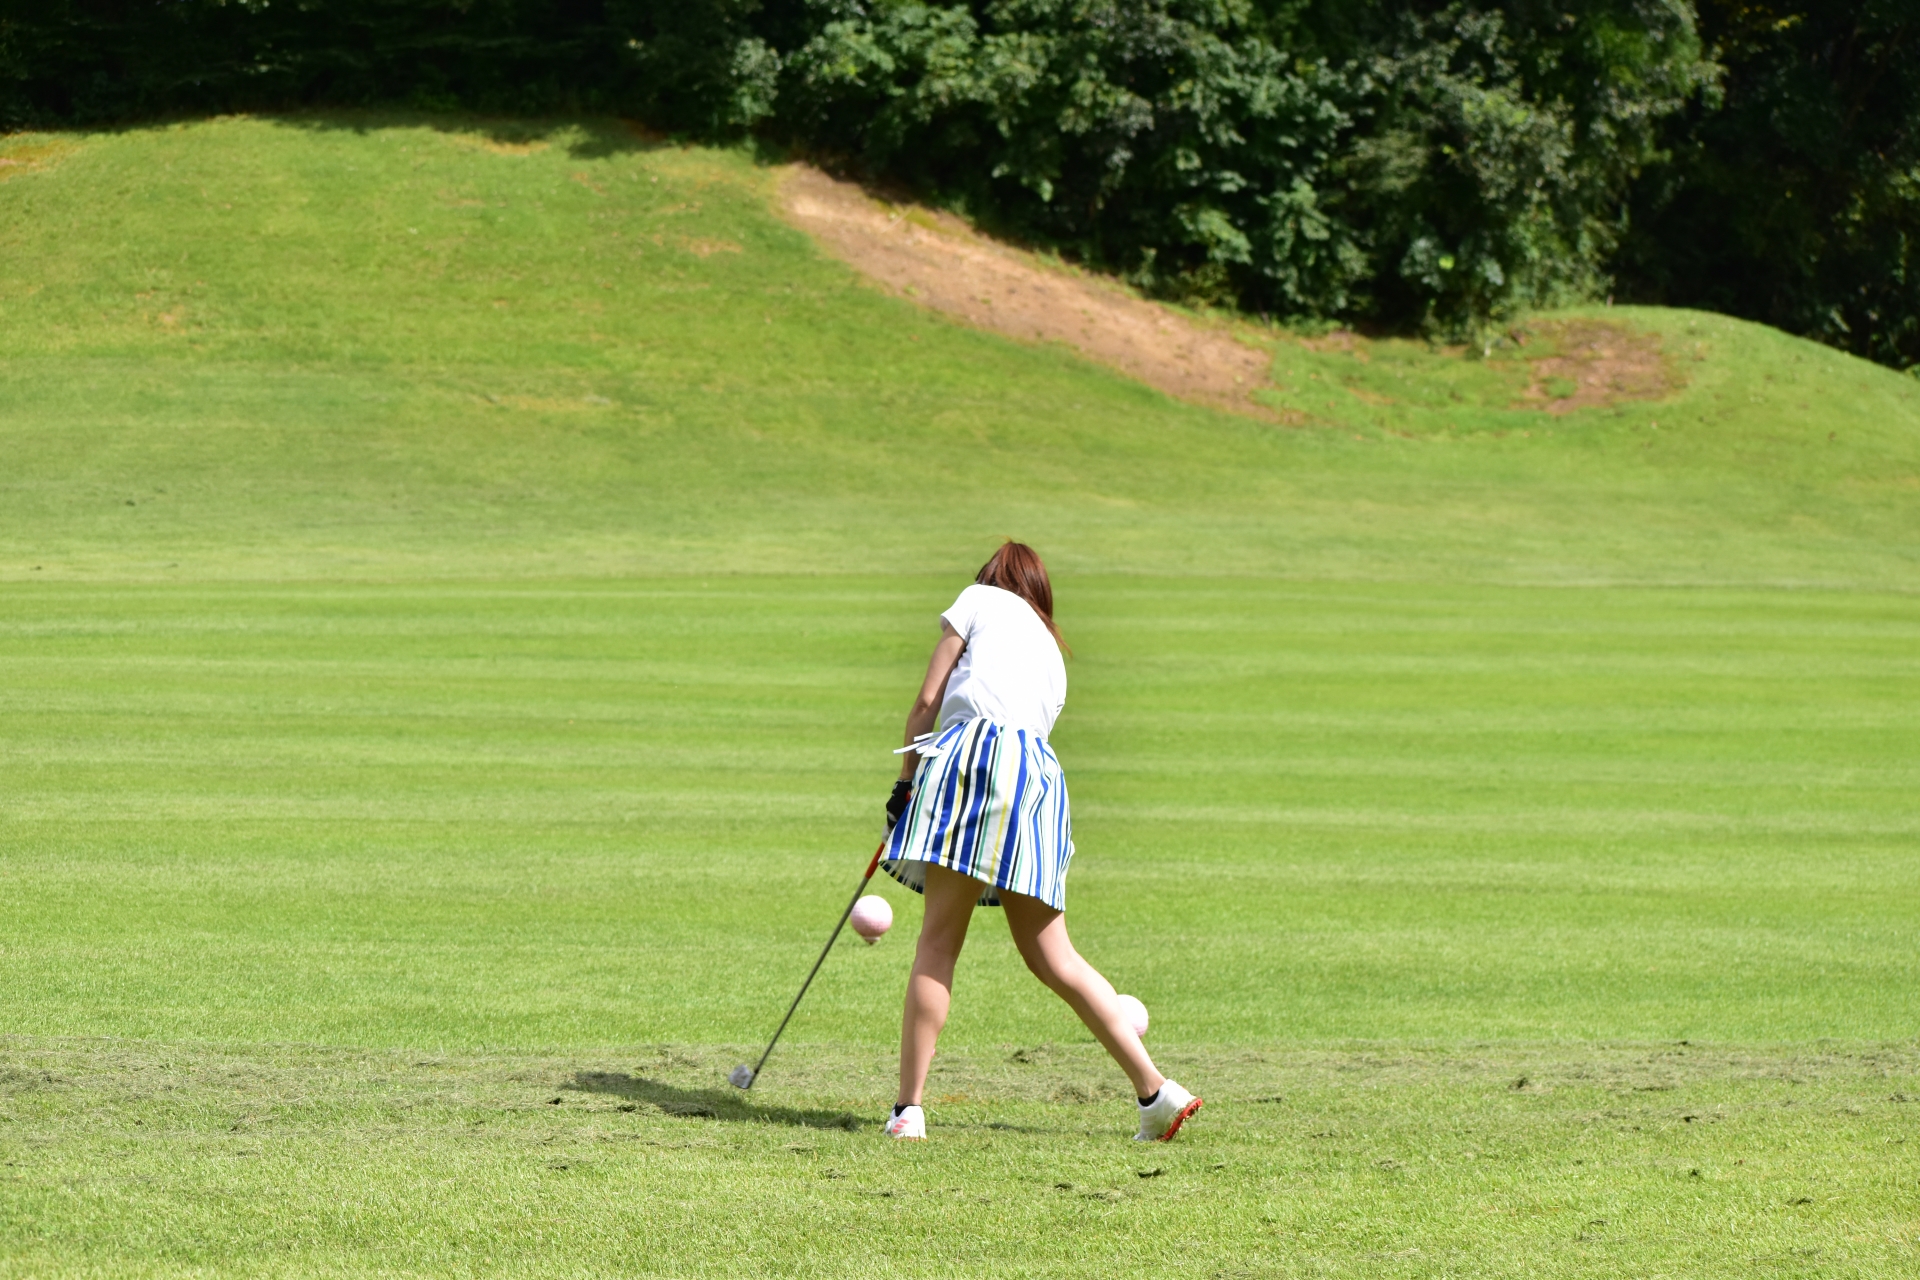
1135	1012
872	916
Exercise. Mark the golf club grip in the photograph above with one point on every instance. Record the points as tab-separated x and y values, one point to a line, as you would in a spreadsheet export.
872	865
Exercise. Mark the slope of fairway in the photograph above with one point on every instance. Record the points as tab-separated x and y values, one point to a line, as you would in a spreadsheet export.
459	588
333	347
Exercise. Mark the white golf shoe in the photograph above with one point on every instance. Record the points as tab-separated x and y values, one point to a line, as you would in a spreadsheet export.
1162	1118
910	1123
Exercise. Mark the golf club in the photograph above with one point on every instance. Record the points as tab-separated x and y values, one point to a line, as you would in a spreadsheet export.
743	1076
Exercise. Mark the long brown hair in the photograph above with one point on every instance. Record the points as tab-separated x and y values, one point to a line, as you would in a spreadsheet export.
1016	567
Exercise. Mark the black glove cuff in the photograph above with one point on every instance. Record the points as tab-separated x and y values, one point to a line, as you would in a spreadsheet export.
897	802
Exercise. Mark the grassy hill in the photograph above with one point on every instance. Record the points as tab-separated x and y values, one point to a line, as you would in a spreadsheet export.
343	347
461	583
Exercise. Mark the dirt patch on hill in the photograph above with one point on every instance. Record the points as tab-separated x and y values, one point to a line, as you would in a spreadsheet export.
1553	365
24	153
1592	363
940	262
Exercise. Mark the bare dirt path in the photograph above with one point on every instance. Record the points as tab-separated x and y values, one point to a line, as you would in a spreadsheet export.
1597	365
940	262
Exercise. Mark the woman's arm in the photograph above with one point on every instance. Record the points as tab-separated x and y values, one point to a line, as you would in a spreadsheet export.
933	691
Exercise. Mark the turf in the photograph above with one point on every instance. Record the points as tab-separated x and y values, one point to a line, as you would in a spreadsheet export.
603	813
459	599
324	348
1631	1160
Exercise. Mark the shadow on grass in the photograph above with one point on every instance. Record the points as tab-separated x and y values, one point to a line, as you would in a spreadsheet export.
581	137
715	1104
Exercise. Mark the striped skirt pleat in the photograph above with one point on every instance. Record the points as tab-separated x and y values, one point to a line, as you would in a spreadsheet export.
991	803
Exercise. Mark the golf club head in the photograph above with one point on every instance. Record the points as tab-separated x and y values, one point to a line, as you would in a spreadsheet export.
741	1077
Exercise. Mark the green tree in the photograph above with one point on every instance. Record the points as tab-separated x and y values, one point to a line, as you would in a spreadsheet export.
1405	163
1793	196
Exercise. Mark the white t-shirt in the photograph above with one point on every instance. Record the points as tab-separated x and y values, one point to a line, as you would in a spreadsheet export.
1011	671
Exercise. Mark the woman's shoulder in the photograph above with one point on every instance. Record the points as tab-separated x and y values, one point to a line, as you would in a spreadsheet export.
979	599
976	596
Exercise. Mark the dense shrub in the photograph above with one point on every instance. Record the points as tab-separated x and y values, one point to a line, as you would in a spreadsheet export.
1428	165
1794	196
102	61
1406	163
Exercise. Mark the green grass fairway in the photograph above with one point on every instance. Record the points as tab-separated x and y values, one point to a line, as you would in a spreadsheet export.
1649	1160
460	583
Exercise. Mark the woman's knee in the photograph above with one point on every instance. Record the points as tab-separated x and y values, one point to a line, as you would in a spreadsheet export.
1039	966
938	950
1056	966
1040	932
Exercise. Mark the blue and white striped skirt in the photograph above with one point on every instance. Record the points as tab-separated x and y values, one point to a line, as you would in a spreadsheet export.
989	802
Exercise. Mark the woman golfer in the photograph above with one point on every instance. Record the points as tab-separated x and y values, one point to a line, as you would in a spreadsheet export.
979	817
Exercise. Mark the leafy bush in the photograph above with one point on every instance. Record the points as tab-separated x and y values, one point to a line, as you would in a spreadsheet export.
1793	197
1439	166
1413	164
103	61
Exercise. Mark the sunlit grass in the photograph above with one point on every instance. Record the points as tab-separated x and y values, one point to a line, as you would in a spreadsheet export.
459	585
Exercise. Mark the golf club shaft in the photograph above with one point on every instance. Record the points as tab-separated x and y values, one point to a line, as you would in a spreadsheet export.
831	939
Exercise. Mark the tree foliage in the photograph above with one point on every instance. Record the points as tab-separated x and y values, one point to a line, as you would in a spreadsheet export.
1793	195
104	61
1438	165
1431	164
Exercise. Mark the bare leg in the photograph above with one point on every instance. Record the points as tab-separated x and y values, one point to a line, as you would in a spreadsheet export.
1041	934
950	899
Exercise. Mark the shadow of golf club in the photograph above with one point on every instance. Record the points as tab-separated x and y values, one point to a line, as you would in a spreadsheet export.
716	1104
